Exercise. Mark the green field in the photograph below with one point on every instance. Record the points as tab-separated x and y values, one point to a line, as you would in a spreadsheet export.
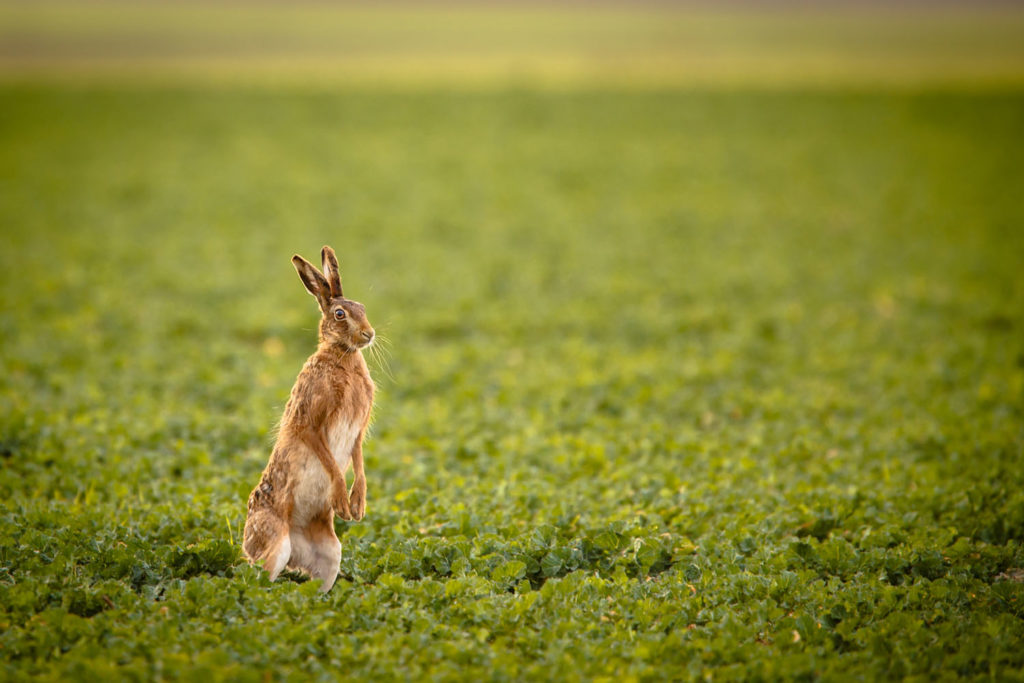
680	382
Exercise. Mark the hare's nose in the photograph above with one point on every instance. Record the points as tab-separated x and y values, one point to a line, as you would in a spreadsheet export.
367	335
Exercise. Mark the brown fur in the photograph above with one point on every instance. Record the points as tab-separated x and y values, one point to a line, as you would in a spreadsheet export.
291	511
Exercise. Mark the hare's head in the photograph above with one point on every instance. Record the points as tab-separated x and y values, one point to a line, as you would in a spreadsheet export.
344	321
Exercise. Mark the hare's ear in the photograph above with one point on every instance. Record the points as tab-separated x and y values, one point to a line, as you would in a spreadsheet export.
315	283
331	270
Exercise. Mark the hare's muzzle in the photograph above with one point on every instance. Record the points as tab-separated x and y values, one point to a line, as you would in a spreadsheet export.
367	336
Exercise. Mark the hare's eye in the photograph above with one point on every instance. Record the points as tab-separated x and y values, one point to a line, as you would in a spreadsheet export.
339	314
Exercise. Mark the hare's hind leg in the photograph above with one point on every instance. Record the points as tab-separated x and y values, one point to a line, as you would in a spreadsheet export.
318	550
278	557
267	539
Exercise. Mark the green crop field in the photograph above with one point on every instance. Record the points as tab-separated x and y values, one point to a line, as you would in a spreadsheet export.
679	381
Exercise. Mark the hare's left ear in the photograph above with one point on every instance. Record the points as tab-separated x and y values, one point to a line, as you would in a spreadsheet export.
314	282
331	270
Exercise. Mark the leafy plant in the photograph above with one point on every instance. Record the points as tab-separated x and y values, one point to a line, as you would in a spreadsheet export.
694	384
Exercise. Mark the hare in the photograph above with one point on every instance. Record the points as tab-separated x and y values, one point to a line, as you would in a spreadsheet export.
290	520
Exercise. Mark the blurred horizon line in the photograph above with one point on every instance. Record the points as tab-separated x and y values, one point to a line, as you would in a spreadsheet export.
570	43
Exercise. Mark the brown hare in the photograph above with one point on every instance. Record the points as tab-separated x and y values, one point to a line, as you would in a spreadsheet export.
291	512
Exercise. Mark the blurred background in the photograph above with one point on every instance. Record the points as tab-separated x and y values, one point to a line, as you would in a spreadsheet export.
511	43
747	190
734	201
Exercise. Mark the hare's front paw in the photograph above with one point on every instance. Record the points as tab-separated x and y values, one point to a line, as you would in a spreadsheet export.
357	498
340	502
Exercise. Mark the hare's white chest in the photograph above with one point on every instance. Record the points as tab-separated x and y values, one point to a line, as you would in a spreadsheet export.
341	437
314	483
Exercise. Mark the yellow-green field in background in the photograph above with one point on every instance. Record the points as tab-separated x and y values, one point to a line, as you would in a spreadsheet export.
503	44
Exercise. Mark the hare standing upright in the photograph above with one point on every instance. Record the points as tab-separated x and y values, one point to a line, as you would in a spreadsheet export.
291	512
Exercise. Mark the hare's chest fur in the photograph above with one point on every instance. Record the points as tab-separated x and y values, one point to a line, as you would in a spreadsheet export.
341	437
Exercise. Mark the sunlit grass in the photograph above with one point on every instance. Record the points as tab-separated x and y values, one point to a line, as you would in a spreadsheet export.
699	338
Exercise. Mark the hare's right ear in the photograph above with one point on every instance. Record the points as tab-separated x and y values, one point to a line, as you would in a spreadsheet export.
331	270
314	281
